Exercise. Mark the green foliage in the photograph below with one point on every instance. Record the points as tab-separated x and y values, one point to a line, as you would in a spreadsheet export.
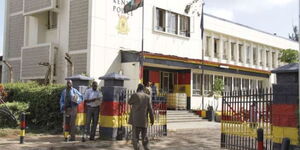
218	87
43	103
289	56
16	108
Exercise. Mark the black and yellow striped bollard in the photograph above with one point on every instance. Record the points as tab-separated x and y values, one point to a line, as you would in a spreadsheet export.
22	127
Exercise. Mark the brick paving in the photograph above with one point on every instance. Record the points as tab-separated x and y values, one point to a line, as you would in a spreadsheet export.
206	136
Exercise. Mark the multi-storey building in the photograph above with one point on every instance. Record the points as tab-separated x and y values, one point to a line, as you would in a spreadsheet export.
100	39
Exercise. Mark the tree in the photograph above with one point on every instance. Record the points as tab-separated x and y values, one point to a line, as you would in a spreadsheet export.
294	35
289	56
218	88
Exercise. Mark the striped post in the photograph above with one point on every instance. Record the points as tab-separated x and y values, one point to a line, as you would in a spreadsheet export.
260	139
22	128
66	127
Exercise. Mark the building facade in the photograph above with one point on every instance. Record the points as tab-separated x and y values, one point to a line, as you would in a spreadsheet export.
100	39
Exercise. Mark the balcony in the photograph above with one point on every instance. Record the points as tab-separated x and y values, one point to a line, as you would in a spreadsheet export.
38	6
32	56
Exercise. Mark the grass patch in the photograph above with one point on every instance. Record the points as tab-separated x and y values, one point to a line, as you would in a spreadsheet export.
8	132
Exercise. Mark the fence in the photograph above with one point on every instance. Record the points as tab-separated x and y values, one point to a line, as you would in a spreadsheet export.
159	104
243	112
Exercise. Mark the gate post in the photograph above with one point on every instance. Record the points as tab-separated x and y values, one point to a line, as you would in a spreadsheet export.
285	107
260	139
110	107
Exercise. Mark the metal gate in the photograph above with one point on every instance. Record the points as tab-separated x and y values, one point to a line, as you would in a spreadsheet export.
159	104
243	112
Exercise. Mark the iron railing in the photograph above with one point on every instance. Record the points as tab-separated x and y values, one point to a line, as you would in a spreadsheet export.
159	104
243	112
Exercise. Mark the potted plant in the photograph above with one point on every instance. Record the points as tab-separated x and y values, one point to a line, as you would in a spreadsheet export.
218	88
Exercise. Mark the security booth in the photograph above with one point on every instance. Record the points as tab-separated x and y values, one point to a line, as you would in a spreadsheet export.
111	120
285	110
81	83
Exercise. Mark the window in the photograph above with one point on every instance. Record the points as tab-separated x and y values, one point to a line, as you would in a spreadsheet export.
237	84
228	84
219	77
197	83
207	46
185	26
273	59
172	23
240	52
248	54
261	56
260	84
254	56
160	19
253	84
232	51
52	20
267	58
245	84
216	47
208	84
225	50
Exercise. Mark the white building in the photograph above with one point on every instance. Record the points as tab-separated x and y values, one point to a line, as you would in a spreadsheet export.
101	39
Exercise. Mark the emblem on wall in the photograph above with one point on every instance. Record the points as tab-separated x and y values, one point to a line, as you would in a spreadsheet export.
122	26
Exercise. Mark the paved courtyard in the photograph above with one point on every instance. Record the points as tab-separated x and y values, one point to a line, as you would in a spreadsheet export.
182	136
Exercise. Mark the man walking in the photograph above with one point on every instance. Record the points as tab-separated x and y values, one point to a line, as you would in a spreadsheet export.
93	99
69	99
141	109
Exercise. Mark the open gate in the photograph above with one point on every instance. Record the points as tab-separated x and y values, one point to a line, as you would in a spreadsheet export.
243	112
159	105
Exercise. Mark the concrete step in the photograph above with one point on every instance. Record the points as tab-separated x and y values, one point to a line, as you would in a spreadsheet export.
174	116
182	118
183	121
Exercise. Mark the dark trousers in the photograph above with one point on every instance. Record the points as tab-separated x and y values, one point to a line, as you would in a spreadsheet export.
136	131
92	116
71	113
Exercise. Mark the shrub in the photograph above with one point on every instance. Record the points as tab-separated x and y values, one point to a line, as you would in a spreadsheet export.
43	103
14	110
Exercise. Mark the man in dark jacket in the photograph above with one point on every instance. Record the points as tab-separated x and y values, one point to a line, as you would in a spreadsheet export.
141	109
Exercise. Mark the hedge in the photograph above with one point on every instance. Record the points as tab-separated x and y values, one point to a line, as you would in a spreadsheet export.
15	108
43	101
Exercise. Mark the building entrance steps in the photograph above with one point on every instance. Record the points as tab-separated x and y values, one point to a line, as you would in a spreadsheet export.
178	120
181	116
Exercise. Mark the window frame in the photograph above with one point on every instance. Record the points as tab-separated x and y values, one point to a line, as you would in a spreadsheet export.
166	23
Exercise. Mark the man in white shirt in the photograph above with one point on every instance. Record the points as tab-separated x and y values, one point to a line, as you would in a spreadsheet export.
93	99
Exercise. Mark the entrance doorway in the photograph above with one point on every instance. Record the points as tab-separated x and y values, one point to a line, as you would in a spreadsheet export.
167	82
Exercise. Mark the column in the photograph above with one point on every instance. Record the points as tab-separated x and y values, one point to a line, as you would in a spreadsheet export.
236	52
251	54
264	62
229	50
271	58
211	46
259	58
276	58
244	53
221	48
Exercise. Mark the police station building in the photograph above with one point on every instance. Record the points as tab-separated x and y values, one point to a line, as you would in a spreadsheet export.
101	39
